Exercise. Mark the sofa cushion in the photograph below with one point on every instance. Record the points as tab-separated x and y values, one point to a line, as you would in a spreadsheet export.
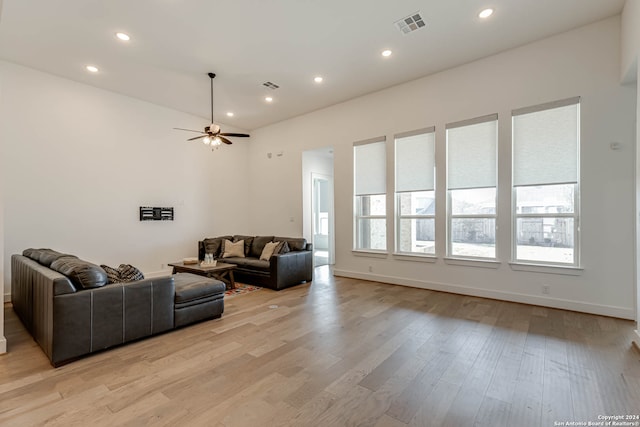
249	263
190	287
214	245
247	242
257	246
83	274
44	256
233	249
295	243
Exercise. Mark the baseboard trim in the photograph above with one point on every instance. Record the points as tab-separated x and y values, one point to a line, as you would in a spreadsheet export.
603	310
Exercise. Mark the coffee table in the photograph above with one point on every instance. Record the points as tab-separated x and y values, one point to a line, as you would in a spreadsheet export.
221	271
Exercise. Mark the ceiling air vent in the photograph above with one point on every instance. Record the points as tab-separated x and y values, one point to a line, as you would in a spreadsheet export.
411	23
270	85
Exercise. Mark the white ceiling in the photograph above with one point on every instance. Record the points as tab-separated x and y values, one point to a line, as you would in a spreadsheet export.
247	42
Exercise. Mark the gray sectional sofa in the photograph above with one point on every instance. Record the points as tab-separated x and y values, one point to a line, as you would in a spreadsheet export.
76	313
292	265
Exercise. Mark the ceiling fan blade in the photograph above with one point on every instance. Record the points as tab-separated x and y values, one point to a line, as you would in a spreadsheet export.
189	130
225	140
197	137
244	135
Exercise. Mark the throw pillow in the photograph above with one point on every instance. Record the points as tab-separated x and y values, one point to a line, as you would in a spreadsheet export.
128	273
268	250
113	275
283	248
233	249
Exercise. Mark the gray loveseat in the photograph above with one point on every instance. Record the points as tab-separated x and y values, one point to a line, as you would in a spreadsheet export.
73	314
291	266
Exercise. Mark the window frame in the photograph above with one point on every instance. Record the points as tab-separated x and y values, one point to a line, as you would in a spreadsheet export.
449	208
576	229
357	200
576	214
398	217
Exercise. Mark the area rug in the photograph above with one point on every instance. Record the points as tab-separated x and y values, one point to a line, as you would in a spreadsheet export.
241	289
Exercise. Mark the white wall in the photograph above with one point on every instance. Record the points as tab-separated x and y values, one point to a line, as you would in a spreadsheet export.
630	40
78	163
582	62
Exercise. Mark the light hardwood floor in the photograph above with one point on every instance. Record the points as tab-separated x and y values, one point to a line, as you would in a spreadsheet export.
339	352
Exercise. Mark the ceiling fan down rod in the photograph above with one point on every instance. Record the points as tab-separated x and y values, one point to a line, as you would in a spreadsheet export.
211	76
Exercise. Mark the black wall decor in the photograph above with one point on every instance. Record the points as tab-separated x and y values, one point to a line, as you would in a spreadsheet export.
155	214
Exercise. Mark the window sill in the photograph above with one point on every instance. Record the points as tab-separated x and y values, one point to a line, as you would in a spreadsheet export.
405	256
369	253
545	268
468	262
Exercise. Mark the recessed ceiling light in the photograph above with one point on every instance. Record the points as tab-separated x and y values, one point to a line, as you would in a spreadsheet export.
92	68
124	37
386	53
485	13
268	99
318	79
229	114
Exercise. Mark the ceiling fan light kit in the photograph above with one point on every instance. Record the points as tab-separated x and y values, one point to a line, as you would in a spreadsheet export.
212	134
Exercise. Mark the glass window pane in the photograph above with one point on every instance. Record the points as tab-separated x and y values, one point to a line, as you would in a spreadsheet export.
545	199
372	233
417	235
417	203
372	205
545	239
473	237
476	201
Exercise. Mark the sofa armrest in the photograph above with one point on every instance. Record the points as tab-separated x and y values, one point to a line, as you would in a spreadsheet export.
291	268
99	318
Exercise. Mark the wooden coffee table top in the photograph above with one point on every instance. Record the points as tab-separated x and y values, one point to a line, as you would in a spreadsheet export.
220	266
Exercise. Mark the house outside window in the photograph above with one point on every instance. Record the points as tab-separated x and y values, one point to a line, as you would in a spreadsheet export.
415	192
370	197
546	147
471	188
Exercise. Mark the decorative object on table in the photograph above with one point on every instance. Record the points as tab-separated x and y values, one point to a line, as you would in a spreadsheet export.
212	135
148	213
190	261
208	261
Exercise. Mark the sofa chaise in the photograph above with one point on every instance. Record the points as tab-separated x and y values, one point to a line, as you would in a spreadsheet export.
76	313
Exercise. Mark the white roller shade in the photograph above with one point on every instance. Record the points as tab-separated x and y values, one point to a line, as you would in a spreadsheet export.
415	162
370	168
471	153
545	146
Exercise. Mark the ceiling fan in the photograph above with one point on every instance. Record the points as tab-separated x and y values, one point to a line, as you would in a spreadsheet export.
212	135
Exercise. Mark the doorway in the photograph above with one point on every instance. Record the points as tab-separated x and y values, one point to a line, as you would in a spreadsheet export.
319	204
321	198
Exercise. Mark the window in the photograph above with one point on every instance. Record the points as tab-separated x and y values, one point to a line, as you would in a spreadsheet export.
370	195
471	185
415	195
546	145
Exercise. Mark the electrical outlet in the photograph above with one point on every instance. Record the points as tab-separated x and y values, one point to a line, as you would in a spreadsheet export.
370	269
545	289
